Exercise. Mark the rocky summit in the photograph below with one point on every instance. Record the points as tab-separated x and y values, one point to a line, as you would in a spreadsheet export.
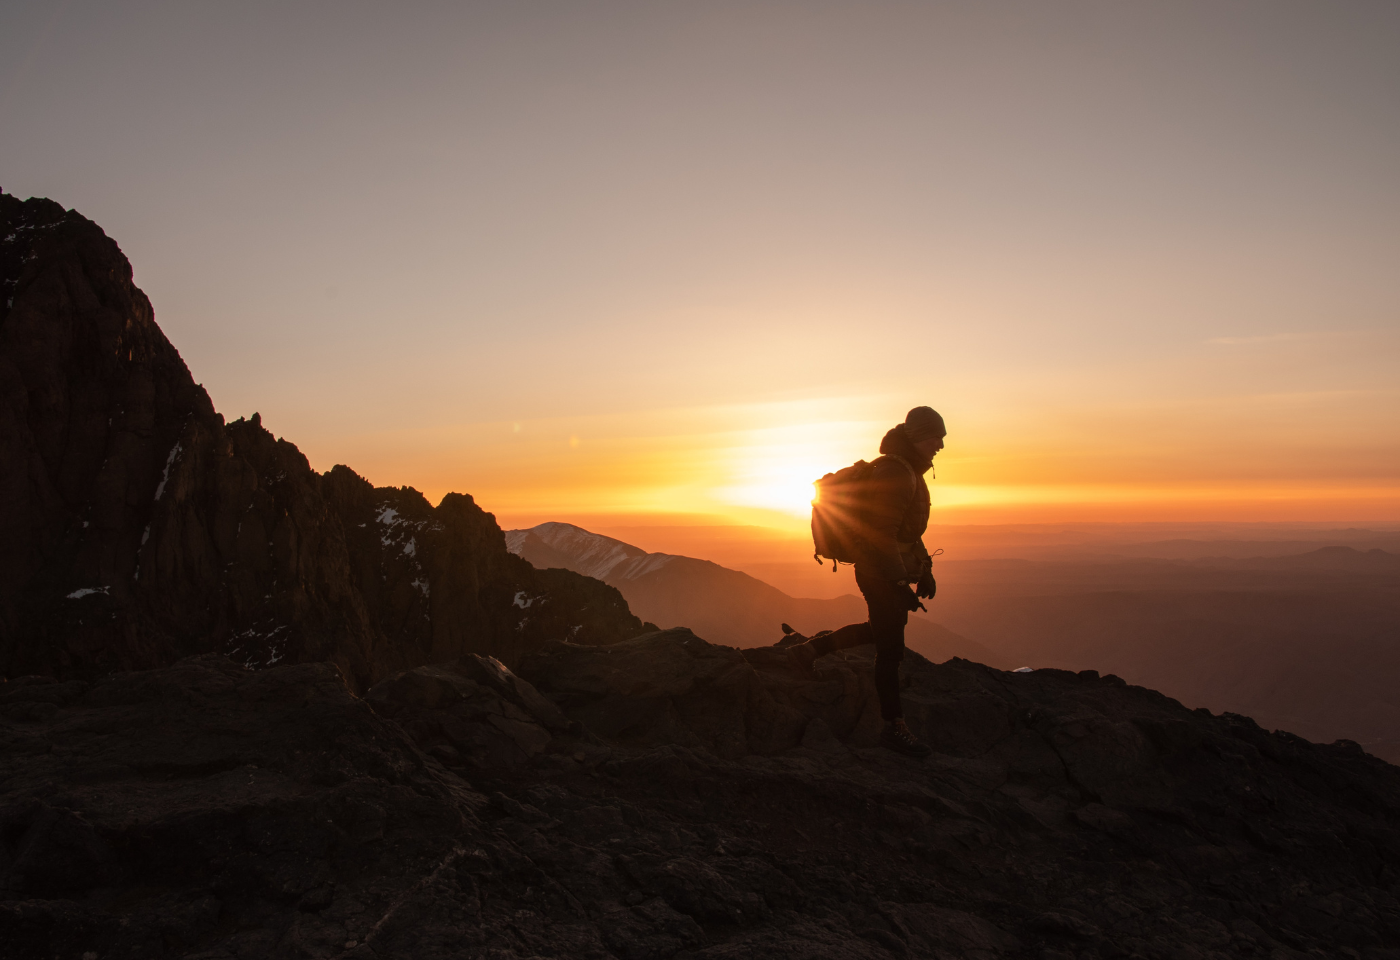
251	710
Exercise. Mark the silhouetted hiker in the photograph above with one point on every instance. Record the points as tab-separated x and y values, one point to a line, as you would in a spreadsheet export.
893	568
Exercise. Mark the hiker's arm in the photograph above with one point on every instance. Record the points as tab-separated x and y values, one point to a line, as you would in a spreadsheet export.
926	586
890	492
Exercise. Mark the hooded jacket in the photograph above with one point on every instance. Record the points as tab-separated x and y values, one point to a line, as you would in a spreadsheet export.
896	511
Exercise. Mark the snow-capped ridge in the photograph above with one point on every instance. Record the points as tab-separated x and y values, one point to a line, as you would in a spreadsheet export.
591	554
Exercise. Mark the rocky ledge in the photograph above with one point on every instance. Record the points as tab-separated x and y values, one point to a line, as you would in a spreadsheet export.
665	797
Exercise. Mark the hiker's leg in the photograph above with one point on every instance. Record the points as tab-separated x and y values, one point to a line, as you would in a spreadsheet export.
887	683
851	635
888	615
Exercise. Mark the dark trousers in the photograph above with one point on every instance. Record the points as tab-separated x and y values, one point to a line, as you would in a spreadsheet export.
887	606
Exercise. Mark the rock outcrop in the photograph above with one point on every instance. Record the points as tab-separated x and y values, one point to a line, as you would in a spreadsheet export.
137	527
673	798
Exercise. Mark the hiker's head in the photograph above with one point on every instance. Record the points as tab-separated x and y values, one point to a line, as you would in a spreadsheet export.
924	428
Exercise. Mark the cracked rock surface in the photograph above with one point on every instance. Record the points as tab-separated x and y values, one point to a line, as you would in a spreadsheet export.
667	797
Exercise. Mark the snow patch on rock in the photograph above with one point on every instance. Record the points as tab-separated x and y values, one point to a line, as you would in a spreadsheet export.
165	475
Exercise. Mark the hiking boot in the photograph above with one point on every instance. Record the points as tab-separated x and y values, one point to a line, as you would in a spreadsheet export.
896	736
802	656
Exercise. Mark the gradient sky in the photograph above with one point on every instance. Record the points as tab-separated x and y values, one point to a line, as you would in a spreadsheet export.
666	259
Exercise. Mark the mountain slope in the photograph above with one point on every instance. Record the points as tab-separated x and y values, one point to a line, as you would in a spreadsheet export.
1334	559
137	527
716	602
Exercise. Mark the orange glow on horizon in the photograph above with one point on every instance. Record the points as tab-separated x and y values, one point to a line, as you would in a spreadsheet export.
755	464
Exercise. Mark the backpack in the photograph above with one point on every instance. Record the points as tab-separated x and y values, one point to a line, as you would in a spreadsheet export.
838	512
838	521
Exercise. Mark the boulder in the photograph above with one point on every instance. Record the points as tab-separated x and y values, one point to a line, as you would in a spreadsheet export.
664	687
473	713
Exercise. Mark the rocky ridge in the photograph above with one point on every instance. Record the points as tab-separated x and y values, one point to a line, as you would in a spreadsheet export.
137	527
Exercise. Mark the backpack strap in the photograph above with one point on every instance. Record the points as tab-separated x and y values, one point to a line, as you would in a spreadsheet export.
913	474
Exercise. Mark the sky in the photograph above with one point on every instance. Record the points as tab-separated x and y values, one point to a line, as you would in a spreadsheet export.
669	262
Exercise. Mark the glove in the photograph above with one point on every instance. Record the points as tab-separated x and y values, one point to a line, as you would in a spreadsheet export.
927	586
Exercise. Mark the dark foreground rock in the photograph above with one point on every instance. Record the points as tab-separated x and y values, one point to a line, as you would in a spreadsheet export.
666	797
138	528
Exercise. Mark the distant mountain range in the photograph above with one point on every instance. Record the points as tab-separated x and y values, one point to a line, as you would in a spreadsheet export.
722	605
1333	559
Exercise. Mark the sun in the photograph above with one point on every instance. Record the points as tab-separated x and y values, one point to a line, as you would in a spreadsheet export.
774	469
781	480
790	494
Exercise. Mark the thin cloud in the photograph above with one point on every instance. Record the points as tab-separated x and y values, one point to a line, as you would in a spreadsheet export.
1268	338
1300	335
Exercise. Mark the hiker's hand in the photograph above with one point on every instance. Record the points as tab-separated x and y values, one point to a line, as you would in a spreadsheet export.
910	600
927	586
